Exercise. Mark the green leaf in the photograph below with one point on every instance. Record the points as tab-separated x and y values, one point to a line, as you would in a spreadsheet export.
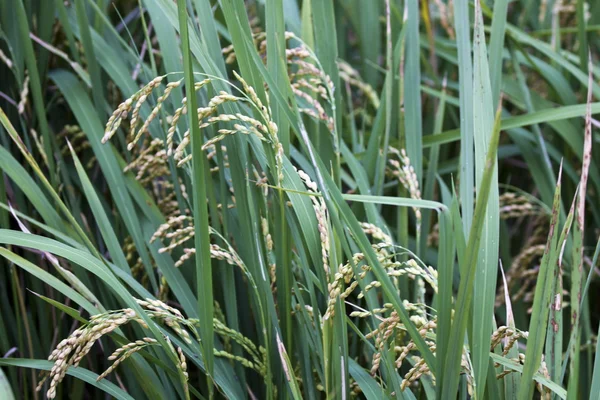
49	279
365	381
77	372
466	131
538	117
542	299
106	227
90	124
449	386
484	295
5	389
204	284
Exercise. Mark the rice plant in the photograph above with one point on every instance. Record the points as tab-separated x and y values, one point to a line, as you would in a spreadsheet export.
299	199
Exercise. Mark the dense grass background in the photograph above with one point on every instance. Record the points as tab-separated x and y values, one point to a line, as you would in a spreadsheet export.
401	198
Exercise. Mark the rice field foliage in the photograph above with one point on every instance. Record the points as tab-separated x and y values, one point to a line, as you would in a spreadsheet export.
313	199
